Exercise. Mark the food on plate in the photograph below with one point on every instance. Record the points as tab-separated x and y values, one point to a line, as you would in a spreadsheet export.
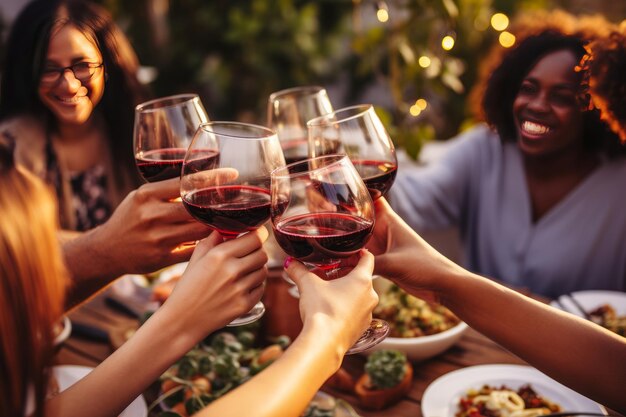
325	405
388	377
213	368
490	401
409	316
606	316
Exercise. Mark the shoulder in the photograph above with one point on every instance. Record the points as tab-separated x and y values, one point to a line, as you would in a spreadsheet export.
29	135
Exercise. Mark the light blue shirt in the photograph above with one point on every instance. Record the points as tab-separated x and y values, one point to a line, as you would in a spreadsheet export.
479	186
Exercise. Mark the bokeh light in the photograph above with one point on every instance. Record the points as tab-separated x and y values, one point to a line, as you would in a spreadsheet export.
421	103
499	21
424	61
382	15
415	110
447	42
506	39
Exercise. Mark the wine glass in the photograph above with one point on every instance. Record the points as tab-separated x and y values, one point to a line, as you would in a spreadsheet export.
163	130
225	181
287	113
321	214
357	132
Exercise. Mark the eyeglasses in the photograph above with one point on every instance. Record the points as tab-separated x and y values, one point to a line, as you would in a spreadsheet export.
83	71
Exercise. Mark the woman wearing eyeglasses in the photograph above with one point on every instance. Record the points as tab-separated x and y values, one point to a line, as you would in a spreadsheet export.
67	98
68	93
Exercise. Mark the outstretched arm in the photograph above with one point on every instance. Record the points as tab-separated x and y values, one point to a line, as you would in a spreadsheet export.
143	235
334	314
576	352
223	280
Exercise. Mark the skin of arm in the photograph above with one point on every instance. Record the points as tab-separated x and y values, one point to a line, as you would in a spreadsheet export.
334	314
201	303
576	352
143	235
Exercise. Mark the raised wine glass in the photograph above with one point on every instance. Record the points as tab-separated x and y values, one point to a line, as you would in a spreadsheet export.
163	131
322	213
225	181
357	132
287	113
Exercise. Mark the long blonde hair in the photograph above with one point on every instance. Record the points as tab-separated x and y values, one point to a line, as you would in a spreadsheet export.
32	286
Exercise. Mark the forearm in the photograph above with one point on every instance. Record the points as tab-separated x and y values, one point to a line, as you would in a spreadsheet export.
288	385
582	355
89	266
109	388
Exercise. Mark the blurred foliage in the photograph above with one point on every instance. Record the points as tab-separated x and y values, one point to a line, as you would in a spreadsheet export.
234	53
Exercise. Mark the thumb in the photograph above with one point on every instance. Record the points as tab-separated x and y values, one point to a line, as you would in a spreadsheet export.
296	271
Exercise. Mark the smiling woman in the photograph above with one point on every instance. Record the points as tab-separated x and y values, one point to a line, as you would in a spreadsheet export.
67	97
544	184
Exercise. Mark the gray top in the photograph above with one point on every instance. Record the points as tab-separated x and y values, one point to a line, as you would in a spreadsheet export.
479	186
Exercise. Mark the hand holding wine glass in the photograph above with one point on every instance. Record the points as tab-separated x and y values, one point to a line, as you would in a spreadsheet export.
225	181
322	213
358	132
287	113
163	131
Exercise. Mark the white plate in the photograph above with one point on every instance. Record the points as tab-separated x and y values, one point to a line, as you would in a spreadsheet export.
441	397
67	375
592	299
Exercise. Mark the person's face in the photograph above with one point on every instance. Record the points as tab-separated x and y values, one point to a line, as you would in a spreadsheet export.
72	101
546	112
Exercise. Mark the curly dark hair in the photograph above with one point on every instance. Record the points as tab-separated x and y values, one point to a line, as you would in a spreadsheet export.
27	47
606	69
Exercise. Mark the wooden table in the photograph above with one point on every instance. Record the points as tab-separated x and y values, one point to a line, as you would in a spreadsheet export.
282	317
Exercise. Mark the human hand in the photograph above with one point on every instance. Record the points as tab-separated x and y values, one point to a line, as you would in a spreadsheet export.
147	229
404	257
224	279
343	306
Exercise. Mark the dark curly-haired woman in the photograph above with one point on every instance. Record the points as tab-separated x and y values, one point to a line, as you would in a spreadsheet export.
537	195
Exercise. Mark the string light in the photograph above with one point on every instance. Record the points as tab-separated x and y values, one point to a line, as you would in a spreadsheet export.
506	39
421	103
424	61
447	42
499	21
415	110
382	11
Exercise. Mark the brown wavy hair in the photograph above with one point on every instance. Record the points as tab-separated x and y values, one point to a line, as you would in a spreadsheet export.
32	286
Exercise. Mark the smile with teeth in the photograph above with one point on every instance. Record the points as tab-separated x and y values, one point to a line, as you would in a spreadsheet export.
534	128
69	100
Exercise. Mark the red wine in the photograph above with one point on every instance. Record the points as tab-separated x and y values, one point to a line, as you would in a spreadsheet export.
163	164
378	176
295	150
323	238
231	209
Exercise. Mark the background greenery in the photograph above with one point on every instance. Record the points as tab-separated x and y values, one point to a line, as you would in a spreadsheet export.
234	53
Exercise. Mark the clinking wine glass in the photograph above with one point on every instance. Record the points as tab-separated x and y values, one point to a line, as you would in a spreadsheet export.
322	213
287	113
225	181
163	130
358	132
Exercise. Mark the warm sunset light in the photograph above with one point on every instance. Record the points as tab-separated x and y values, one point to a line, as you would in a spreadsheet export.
424	61
506	39
499	21
447	42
